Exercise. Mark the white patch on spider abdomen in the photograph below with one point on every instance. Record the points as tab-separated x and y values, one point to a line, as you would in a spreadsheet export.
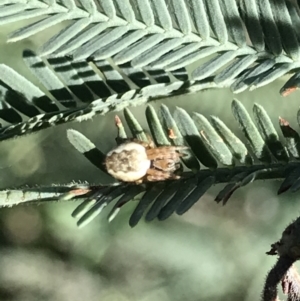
128	162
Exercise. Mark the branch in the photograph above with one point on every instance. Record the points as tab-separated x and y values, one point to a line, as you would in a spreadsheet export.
288	249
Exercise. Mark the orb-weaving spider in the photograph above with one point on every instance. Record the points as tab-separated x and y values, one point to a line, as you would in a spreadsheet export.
135	161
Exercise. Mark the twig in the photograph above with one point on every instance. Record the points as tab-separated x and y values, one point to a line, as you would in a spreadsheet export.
288	249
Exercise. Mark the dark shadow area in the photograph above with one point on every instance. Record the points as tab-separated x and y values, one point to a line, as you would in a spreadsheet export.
160	76
180	74
7	113
136	76
18	101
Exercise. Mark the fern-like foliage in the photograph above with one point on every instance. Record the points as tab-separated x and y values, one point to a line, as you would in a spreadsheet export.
115	53
77	91
211	144
163	34
167	34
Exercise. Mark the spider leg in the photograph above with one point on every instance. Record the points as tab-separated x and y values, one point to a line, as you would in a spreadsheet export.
154	175
166	164
151	143
165	152
140	181
166	158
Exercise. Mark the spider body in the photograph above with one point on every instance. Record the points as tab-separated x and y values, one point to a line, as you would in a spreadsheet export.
137	161
128	162
132	160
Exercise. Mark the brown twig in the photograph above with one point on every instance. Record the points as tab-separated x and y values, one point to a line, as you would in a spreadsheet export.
288	249
274	277
291	284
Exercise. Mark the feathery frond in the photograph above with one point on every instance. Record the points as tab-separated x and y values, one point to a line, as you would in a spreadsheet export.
211	143
76	91
252	43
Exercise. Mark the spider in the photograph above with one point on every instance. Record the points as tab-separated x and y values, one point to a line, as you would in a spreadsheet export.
133	160
138	161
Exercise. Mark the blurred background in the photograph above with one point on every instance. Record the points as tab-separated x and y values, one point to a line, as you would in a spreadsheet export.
210	253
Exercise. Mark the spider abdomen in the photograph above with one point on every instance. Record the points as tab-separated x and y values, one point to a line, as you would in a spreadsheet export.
128	162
